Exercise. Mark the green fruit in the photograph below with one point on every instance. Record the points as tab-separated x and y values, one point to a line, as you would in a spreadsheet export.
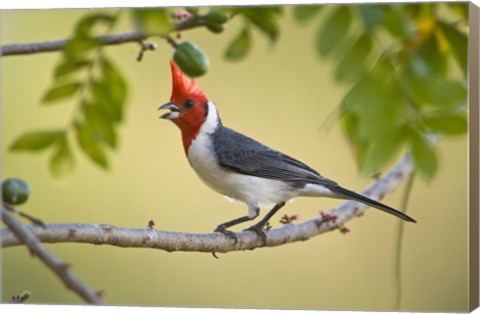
215	16
190	59
216	28
15	191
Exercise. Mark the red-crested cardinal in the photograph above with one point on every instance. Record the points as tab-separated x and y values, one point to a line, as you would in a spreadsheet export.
240	167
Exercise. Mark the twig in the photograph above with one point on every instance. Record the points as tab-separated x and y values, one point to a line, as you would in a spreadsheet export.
211	242
24	235
116	39
399	242
24	215
56	45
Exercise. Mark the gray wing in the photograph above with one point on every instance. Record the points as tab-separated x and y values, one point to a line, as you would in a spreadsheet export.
239	153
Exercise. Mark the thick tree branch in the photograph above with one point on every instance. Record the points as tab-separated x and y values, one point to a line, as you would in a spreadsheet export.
24	235
212	242
116	39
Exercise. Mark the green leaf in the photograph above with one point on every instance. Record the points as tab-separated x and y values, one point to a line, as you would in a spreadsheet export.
374	118
436	62
100	124
90	145
101	98
60	92
381	117
449	124
62	163
458	43
239	47
264	18
117	85
369	91
36	141
398	22
153	21
69	66
439	93
372	15
350	126
78	46
424	157
383	150
85	25
379	106
353	63
304	13
334	31
349	122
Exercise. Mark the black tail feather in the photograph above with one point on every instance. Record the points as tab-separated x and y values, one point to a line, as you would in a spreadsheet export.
368	201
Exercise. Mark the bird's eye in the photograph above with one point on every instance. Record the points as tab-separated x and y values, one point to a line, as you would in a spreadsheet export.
188	103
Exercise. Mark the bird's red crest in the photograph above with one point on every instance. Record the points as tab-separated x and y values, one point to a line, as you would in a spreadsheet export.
183	87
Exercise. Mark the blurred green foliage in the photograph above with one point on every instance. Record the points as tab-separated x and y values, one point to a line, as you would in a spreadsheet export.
239	47
153	21
405	66
86	75
402	62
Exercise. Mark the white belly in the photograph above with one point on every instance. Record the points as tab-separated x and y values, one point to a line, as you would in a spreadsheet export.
248	189
254	191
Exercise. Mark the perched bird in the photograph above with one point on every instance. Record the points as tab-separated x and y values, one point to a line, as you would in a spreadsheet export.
240	167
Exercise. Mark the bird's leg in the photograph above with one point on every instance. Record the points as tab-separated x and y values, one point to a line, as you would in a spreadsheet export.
258	227
222	228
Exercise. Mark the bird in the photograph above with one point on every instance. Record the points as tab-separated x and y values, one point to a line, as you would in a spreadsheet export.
242	168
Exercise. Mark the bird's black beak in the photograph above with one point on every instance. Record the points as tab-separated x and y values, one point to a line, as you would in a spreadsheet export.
174	111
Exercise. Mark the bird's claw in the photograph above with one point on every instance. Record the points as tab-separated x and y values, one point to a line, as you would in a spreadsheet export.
258	229
227	233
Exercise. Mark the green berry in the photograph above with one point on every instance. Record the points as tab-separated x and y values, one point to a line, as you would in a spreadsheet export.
215	16
15	191
190	59
216	28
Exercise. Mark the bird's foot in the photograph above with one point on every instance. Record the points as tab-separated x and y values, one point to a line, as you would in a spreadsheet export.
227	233
258	229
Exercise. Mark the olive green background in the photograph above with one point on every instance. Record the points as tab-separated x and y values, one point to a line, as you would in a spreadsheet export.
280	95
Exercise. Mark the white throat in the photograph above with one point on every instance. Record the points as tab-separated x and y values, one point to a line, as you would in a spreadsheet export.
212	121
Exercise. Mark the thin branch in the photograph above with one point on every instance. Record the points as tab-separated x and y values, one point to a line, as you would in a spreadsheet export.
116	39
211	242
56	45
399	241
24	215
23	234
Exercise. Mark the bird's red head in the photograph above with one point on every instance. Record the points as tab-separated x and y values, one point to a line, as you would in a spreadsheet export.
188	105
